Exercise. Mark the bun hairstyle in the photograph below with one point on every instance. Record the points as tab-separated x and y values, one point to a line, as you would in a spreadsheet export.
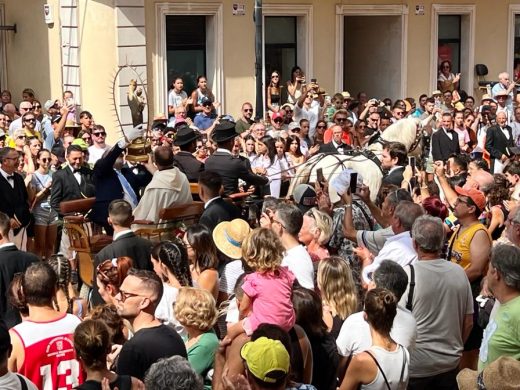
435	207
15	295
92	343
114	271
381	308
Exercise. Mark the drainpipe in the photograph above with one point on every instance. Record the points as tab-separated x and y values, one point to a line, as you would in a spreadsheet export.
257	17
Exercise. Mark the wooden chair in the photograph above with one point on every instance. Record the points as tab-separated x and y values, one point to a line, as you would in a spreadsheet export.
83	242
170	218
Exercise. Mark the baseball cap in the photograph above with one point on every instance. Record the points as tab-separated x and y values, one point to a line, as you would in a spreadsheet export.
81	143
475	195
346	95
305	197
49	103
436	93
293	125
56	118
266	359
206	101
276	115
287	105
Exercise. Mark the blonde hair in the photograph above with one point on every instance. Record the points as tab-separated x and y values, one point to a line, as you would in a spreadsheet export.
262	250
337	286
323	222
196	308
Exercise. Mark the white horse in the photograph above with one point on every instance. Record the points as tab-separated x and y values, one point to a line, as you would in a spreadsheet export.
365	162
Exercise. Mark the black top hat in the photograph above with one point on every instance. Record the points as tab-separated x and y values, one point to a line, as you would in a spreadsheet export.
185	135
224	131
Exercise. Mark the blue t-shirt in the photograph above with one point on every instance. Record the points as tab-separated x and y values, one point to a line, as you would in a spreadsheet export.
203	121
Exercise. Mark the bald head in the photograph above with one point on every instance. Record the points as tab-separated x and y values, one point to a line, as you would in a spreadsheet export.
480	180
337	132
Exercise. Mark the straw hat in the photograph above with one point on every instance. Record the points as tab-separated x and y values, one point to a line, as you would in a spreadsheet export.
502	374
228	237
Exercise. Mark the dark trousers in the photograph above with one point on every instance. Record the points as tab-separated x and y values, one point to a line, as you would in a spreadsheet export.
444	381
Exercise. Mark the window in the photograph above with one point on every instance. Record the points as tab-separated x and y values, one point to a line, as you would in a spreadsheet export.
280	45
516	58
449	40
185	49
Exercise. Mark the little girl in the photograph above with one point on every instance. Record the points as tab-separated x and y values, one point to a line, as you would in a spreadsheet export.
268	290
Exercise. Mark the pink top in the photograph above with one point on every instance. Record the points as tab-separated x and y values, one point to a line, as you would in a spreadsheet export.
271	296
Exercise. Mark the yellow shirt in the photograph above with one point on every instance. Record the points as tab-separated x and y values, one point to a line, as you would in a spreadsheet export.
460	243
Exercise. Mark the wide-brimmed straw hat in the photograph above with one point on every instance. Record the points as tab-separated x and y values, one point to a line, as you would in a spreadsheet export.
502	374
229	235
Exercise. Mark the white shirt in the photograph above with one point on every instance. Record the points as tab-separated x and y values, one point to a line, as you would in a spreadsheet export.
17	124
10	381
76	175
122	233
505	132
354	336
311	114
448	133
398	248
95	153
209	202
7	244
297	259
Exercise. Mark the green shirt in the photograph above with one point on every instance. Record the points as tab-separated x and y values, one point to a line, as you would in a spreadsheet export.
502	335
202	354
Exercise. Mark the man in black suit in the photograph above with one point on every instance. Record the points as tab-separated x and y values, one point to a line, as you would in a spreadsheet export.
12	261
499	141
114	181
229	167
125	243
13	193
216	209
72	182
186	140
445	141
393	159
336	146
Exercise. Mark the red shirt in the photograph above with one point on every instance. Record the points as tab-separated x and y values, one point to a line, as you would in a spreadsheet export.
327	137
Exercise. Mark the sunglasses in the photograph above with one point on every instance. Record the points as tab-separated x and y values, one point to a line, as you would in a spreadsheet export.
86	138
288	110
45	160
278	120
21	137
101	134
341	119
248	110
207	105
30	120
399	113
37	106
321	127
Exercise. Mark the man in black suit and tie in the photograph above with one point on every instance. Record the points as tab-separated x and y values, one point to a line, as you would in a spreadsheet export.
114	181
445	141
216	209
12	261
229	167
125	243
393	159
499	141
186	140
13	193
336	146
72	182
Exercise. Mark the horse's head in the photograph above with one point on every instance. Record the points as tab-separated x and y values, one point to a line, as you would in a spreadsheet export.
407	131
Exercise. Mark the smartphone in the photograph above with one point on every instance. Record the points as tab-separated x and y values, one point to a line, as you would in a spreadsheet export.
319	176
353	182
412	162
447	167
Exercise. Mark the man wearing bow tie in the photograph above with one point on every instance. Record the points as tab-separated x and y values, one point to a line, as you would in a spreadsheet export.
72	182
445	141
499	140
336	146
13	193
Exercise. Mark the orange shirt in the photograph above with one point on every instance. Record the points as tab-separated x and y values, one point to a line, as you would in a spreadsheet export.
327	137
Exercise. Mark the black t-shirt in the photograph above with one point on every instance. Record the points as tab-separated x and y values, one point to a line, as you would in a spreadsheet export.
123	382
146	347
325	362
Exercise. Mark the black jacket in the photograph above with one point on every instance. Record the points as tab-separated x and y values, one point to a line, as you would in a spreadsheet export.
12	261
189	165
330	148
497	144
137	248
65	186
14	201
232	168
442	146
395	177
218	211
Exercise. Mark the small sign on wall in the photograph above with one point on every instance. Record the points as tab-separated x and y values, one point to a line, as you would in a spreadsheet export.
239	9
419	9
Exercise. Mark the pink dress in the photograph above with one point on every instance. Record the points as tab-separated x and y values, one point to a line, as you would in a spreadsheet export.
270	294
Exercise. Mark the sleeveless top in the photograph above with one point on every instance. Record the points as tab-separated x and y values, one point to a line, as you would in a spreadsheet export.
394	365
460	242
50	358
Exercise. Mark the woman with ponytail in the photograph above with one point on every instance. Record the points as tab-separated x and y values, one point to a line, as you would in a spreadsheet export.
384	366
92	344
66	299
171	264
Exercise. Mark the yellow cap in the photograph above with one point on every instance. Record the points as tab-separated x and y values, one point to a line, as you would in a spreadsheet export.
266	359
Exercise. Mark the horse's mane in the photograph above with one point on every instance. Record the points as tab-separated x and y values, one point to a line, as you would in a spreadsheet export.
403	131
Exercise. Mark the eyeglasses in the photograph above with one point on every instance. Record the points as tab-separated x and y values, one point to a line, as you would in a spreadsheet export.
100	134
466	201
248	110
278	222
125	295
37	106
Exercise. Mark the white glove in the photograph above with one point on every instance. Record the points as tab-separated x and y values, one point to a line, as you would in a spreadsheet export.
131	135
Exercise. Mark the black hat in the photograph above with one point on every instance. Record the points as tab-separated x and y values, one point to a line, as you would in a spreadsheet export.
185	135
224	131
56	118
206	101
159	125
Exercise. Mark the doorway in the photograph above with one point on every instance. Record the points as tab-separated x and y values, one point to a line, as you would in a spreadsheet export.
372	55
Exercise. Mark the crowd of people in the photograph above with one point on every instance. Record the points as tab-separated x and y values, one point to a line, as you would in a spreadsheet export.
299	286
